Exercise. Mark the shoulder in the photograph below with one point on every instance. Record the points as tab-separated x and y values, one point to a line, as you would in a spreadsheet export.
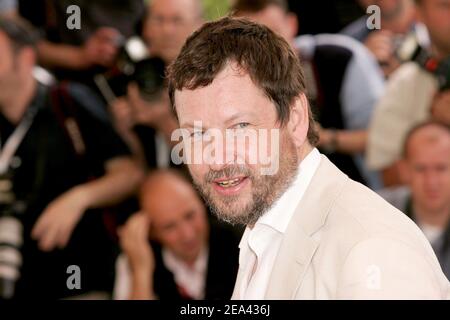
338	47
367	210
357	29
372	236
408	74
397	196
362	219
343	42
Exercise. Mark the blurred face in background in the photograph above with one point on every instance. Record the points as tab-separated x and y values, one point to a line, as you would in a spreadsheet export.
11	66
177	216
276	19
427	167
6	61
435	14
168	25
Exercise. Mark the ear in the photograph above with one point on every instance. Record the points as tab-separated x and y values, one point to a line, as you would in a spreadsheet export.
298	123
292	21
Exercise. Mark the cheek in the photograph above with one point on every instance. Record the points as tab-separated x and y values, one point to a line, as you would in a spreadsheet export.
5	66
198	171
416	182
200	225
170	239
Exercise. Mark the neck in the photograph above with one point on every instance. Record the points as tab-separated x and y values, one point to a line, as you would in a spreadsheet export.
13	104
438	218
304	151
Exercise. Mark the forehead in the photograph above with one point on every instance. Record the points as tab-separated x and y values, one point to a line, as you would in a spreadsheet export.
430	144
168	206
171	7
231	93
271	16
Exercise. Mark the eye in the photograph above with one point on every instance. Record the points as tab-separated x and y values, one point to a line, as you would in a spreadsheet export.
196	134
242	125
189	215
169	227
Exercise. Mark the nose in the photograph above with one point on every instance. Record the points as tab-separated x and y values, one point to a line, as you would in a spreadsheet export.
187	232
431	180
220	153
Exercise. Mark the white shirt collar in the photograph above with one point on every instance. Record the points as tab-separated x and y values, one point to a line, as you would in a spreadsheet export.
279	216
192	279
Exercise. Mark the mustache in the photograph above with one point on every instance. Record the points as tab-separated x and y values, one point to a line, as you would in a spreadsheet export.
229	171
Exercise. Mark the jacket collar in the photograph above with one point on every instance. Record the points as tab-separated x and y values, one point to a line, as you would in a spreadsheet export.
298	246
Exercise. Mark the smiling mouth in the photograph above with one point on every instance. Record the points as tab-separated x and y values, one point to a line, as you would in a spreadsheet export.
230	183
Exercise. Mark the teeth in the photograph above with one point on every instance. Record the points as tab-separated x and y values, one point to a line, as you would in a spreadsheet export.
229	183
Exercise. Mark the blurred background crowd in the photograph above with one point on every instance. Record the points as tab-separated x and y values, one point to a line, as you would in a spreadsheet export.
86	177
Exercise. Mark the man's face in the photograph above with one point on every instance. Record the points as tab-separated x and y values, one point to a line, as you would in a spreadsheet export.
428	166
169	24
275	19
237	190
435	14
178	220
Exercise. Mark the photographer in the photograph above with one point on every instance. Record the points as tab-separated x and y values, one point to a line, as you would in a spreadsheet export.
92	47
147	124
416	92
397	19
173	250
62	161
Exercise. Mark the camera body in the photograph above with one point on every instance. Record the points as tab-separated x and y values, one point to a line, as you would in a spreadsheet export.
410	49
133	64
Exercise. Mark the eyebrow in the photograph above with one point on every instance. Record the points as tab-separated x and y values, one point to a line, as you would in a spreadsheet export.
228	121
234	117
190	125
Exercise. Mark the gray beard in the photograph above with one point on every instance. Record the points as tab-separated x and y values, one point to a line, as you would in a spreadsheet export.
266	191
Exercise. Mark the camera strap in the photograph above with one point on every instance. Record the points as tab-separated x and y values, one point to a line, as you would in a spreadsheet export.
15	139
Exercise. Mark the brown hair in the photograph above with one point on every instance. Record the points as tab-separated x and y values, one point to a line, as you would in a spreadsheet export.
266	57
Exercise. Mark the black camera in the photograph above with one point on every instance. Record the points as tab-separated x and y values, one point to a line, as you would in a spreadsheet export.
11	237
410	49
133	64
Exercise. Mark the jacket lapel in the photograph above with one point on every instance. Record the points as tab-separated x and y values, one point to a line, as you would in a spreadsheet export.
298	246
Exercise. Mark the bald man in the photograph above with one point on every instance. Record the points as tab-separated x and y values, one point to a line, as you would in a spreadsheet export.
189	256
426	199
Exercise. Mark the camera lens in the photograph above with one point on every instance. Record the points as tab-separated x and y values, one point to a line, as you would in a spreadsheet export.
11	239
149	76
